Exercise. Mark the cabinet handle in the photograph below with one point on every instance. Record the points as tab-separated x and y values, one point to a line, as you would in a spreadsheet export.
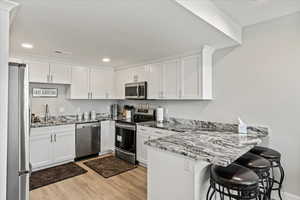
51	78
51	139
91	95
55	137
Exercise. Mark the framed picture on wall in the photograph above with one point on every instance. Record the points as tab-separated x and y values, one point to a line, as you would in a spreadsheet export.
45	92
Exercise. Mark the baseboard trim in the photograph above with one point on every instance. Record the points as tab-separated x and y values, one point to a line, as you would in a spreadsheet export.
289	196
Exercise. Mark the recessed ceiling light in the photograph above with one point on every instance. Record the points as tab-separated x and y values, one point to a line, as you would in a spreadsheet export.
106	60
27	45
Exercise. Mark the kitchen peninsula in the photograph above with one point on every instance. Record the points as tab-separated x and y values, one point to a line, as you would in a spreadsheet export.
178	165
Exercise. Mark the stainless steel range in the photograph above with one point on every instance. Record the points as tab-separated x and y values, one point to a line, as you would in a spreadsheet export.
125	140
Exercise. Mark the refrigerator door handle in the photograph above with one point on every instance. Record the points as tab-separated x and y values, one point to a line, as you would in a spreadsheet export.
23	172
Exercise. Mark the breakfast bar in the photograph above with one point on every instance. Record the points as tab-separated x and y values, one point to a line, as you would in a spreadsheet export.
178	165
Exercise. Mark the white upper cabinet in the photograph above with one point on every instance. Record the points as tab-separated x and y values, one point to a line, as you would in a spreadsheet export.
121	78
196	76
164	80
171	79
191	78
139	74
92	83
60	74
49	73
80	88
155	81
39	72
102	83
119	85
186	78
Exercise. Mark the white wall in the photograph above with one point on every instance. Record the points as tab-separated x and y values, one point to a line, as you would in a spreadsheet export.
4	38
62	101
258	81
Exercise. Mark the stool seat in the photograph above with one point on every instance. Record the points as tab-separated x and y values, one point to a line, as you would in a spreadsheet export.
234	176
254	162
266	153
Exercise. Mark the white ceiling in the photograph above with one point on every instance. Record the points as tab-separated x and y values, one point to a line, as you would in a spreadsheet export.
127	31
249	12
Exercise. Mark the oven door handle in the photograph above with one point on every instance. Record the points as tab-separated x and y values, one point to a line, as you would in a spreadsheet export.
125	126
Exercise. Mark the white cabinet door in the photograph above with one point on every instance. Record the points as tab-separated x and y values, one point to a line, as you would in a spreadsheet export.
102	83
191	74
112	135
119	85
171	79
107	136
40	150
121	78
63	146
140	74
60	74
80	83
155	81
142	148
38	72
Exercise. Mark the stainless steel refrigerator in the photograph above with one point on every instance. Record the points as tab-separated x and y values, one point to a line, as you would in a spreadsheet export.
18	168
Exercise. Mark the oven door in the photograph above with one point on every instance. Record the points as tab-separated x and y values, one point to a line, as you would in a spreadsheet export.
126	137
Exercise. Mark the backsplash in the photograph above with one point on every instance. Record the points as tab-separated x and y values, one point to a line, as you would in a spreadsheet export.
61	105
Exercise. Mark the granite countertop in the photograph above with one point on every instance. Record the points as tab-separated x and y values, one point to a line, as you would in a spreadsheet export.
216	143
67	119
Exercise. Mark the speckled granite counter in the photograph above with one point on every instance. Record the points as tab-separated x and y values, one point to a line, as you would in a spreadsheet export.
216	143
67	119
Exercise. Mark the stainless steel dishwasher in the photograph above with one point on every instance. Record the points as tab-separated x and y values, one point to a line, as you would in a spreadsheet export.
88	136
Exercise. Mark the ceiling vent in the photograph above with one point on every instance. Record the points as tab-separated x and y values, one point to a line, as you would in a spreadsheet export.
60	52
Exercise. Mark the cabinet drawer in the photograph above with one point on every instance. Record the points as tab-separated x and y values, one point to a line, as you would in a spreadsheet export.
40	131
52	129
63	128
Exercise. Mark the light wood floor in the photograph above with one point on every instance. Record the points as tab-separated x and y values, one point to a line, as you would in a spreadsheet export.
131	185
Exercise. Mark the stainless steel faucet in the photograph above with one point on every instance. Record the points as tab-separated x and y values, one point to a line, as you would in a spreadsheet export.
47	114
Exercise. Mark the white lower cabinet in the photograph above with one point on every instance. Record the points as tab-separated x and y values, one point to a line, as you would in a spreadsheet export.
64	146
107	136
50	146
143	135
40	150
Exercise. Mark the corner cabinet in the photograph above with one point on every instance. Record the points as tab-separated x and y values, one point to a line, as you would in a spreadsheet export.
50	146
92	83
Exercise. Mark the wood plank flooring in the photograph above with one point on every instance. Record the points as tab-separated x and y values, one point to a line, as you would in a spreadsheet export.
131	185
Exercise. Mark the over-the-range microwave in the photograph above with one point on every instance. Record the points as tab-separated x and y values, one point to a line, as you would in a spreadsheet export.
136	91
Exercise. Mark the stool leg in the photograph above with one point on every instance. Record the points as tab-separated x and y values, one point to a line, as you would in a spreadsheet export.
281	179
207	195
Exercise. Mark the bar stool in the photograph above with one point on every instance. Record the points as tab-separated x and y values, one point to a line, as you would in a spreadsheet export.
275	158
262	168
235	182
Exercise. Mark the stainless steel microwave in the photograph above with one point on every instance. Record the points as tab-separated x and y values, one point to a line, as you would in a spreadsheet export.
136	91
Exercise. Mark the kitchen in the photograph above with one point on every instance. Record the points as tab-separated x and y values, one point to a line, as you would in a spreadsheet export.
144	107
